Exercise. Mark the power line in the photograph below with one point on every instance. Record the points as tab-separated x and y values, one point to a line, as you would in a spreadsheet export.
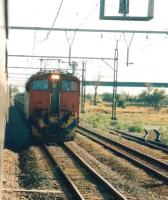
18	78
13	67
107	64
24	74
53	21
85	19
64	57
46	68
73	38
88	30
34	44
128	47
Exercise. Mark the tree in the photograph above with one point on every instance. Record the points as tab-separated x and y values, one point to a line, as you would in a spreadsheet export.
144	97
158	99
149	90
122	99
88	97
96	88
107	97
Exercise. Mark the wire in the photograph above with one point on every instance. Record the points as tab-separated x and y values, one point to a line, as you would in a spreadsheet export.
128	45
107	64
34	45
84	20
53	21
73	38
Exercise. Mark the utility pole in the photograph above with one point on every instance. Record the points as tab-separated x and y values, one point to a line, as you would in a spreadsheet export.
70	45
74	67
114	99
83	89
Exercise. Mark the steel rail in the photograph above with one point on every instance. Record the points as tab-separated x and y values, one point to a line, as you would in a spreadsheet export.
158	136
117	194
140	140
147	157
76	194
98	138
159	144
156	142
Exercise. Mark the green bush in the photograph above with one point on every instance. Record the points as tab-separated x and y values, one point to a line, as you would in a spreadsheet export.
107	97
135	128
121	126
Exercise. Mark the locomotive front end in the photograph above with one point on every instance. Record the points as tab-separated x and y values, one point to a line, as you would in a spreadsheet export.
52	106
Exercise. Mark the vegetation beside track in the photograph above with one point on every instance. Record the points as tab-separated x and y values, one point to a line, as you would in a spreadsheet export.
130	118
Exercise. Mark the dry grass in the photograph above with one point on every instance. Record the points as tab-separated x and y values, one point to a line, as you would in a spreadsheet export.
131	116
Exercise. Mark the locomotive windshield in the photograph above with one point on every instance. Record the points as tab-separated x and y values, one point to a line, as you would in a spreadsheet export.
40	84
68	85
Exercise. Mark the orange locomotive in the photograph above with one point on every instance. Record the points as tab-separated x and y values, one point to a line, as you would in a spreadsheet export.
51	105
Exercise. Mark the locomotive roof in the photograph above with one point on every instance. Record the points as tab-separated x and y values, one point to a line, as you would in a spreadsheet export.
42	75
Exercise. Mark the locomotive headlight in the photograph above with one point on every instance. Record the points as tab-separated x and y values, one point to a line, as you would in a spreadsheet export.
55	77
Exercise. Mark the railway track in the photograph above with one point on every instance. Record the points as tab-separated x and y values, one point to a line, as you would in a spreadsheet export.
150	164
158	142
144	141
80	178
157	135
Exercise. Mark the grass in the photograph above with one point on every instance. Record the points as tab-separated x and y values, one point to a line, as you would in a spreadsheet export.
131	118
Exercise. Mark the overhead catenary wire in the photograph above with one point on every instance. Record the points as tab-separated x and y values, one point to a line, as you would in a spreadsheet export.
24	74
84	20
56	17
73	38
107	64
90	30
128	47
34	45
150	44
61	57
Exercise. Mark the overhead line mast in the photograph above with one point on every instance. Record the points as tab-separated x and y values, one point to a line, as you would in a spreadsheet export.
114	99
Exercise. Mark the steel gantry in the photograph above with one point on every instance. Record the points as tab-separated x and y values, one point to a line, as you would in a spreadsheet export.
114	100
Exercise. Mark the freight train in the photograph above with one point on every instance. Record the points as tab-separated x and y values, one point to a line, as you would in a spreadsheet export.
50	103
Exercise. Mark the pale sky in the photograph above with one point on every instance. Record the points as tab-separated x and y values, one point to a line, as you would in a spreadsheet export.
148	52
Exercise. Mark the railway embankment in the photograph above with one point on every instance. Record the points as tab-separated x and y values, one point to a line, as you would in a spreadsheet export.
29	175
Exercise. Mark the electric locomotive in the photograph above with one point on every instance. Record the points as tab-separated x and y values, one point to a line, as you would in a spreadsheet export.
51	105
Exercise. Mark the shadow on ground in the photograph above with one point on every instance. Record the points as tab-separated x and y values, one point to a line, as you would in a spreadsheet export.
17	135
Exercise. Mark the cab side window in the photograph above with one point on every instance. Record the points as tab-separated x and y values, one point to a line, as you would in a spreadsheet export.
40	84
68	85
